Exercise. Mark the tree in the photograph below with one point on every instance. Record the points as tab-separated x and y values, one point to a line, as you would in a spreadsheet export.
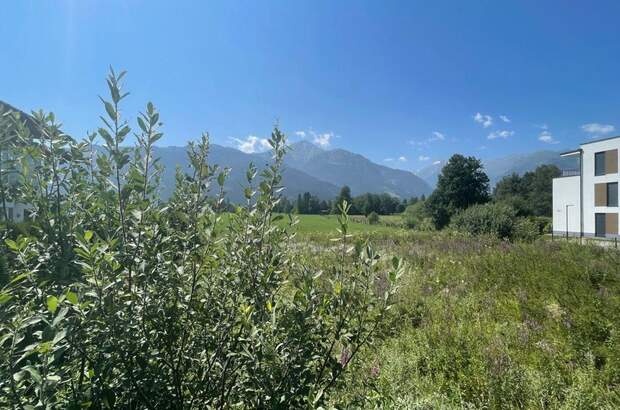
462	183
373	218
511	190
540	184
345	195
530	194
416	216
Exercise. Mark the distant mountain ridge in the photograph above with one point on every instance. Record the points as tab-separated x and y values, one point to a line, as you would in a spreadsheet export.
500	167
308	168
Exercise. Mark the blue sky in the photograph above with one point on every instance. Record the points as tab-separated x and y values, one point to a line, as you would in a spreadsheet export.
404	83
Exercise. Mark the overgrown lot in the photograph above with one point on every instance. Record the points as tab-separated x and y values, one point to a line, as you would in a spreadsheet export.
482	323
110	298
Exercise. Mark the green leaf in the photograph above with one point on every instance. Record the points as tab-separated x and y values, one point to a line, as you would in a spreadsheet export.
88	236
52	303
54	378
5	297
34	373
106	136
60	316
71	297
110	110
19	376
20	277
142	124
12	245
59	336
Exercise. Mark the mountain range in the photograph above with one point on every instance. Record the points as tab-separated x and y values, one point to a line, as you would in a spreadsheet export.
309	168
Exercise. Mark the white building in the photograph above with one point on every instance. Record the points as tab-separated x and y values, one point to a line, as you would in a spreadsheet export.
585	200
16	212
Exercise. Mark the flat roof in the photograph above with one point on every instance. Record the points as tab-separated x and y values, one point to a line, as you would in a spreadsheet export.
600	139
570	153
577	151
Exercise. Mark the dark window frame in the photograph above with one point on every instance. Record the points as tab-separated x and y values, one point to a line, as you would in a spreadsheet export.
610	202
599	163
597	231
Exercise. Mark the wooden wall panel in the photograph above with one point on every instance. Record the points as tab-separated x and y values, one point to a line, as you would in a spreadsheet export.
600	194
611	224
611	161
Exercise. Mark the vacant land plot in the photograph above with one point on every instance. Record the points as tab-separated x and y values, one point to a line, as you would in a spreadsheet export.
483	323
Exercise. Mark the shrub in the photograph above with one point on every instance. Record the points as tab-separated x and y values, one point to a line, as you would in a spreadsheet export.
416	216
373	218
124	302
544	224
525	230
494	219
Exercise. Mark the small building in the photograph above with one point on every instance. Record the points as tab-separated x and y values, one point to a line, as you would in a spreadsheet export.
585	200
15	212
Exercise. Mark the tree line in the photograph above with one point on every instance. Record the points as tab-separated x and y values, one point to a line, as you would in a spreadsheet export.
463	184
365	204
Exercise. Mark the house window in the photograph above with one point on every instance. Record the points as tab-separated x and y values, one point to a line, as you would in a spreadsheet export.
606	162
599	163
599	225
612	194
605	224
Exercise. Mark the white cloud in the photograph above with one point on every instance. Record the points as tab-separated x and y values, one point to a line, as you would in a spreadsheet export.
301	134
252	144
500	134
402	159
437	136
485	120
423	158
322	140
596	128
547	137
504	118
436	162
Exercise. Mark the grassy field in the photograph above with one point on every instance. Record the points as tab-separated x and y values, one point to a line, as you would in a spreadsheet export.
483	323
322	224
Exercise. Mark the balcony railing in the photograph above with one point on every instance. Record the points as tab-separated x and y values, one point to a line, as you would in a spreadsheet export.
570	173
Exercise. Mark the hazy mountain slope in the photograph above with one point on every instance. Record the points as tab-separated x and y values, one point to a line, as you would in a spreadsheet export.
341	167
500	167
295	181
307	168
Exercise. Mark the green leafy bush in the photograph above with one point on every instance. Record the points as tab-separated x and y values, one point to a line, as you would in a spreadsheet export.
373	218
526	230
417	217
494	219
124	302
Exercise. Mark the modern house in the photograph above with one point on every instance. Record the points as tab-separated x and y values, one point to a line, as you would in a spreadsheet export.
585	200
15	212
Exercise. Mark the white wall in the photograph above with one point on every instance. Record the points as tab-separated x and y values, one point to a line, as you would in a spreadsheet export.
566	192
18	211
589	180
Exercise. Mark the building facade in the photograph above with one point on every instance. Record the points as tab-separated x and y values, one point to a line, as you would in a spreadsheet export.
585	200
15	212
